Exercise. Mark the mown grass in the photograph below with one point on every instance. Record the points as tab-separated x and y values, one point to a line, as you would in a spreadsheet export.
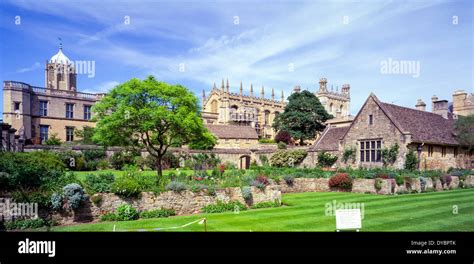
306	212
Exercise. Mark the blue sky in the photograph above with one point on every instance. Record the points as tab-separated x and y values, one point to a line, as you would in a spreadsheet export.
344	41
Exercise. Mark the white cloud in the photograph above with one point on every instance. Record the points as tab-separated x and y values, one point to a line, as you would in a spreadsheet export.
33	67
103	87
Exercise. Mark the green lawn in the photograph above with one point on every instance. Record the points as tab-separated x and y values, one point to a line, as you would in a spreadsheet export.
306	212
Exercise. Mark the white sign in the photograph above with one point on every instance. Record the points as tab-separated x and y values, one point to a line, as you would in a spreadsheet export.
348	219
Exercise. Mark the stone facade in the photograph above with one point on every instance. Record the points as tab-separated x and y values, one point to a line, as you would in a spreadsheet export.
183	203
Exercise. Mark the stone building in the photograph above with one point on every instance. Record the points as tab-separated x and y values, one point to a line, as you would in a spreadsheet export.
380	125
229	136
223	107
56	108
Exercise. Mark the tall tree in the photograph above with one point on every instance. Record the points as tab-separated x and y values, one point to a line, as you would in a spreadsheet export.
464	127
149	114
303	116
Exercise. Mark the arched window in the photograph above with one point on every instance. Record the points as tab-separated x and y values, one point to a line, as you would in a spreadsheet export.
331	108
266	115
341	108
214	106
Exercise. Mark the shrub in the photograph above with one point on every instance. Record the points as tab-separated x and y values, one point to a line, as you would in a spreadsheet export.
261	182
118	160
263	160
32	169
159	213
266	205
411	160
283	136
423	183
176	186
289	180
99	183
247	194
126	212
108	217
287	158
72	160
266	141
399	180
349	154
281	145
389	155
42	198
97	199
341	181
378	184
25	224
326	159
221	207
53	140
74	195
127	186
57	201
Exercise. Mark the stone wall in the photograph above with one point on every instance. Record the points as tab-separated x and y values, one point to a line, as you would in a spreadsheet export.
186	202
322	185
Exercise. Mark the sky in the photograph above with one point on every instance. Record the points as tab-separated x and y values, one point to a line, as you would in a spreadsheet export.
275	44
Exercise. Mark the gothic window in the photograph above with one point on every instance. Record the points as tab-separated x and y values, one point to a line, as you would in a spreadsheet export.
214	106
266	117
341	108
330	108
430	151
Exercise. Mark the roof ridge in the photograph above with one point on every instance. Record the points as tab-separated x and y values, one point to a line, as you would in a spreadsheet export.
413	109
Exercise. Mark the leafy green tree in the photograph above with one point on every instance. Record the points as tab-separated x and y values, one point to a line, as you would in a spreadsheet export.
149	114
389	155
465	131
303	116
85	135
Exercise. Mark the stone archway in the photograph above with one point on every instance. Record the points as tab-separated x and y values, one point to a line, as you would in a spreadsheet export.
244	162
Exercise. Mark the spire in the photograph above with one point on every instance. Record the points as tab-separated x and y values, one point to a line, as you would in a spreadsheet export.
222	86
263	92
273	94
227	86
60	43
282	96
241	89
203	95
251	90
214	87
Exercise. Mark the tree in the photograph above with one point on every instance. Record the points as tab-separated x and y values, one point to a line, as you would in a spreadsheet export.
464	127
411	161
283	136
303	116
149	114
85	134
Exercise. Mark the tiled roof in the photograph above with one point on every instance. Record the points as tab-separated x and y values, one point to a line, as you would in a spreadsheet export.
233	132
329	140
424	126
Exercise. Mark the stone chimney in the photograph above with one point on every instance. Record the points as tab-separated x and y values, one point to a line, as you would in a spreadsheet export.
346	89
420	105
440	107
459	102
